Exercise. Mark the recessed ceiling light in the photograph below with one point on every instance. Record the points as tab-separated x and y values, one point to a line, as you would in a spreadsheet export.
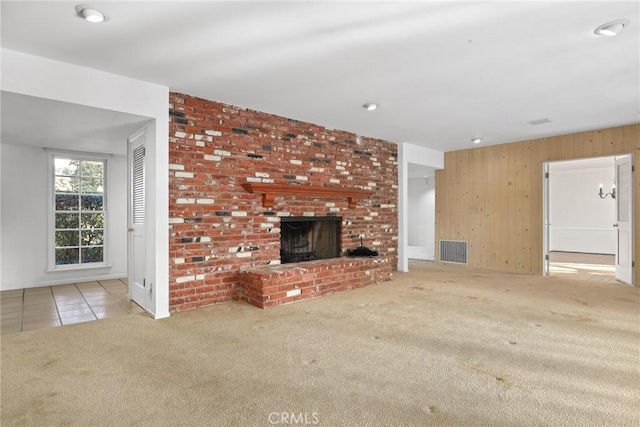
370	106
611	28
476	140
90	13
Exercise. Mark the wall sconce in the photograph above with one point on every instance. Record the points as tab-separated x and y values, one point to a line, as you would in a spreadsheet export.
604	195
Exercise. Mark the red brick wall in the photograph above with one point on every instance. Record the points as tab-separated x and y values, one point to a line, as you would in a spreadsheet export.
217	227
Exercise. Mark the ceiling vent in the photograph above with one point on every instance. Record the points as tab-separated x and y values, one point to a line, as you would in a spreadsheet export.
539	122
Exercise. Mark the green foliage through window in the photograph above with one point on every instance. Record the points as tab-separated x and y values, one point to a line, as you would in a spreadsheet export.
79	215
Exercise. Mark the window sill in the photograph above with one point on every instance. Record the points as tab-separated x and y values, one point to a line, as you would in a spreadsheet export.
75	267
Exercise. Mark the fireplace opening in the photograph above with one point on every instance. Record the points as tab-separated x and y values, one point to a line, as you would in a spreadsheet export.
306	238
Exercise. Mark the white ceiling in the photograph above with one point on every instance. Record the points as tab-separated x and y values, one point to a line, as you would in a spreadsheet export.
443	72
38	122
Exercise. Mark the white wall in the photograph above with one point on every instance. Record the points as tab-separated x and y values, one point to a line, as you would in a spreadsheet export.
23	223
46	78
421	208
580	220
409	153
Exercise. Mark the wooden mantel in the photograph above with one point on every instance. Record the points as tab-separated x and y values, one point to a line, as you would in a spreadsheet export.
269	192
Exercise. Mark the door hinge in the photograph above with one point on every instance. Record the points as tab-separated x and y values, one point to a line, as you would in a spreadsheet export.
546	257
144	283
546	174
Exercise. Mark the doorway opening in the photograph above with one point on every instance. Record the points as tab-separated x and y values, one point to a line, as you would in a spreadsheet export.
74	211
588	219
421	191
583	266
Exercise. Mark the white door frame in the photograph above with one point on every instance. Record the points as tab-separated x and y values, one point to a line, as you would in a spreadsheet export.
136	231
546	225
49	79
409	153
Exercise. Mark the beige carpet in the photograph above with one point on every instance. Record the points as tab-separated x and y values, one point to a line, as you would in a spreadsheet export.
437	346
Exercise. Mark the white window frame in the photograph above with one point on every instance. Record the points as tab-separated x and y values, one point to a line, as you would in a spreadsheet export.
51	211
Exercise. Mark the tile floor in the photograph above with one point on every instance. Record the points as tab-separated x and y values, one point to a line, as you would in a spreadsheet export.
580	266
39	308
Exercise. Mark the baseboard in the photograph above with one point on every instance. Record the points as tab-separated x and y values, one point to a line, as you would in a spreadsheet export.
63	282
160	315
420	252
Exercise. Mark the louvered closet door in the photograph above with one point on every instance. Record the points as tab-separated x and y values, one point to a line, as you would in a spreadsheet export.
137	221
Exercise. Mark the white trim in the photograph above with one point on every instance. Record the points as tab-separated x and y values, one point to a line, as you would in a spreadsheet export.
421	252
546	225
50	214
74	267
137	134
65	281
83	154
583	228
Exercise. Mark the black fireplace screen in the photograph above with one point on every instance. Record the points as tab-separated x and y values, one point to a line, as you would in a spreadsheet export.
306	238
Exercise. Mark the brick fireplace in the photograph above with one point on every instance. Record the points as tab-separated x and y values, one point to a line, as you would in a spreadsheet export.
308	239
237	176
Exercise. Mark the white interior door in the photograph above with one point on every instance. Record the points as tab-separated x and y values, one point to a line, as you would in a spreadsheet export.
137	221
624	219
546	225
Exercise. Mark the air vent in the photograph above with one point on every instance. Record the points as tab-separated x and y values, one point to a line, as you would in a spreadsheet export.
454	251
539	122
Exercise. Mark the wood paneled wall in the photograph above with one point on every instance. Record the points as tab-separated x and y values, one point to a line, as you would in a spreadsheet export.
492	196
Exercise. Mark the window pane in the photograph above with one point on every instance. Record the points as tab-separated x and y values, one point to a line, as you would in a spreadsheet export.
66	167
67	238
94	169
91	203
92	254
67	256
92	237
67	185
90	185
67	220
92	221
79	216
66	202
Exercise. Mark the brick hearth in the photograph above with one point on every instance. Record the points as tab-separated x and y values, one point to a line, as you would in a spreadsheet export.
267	286
218	228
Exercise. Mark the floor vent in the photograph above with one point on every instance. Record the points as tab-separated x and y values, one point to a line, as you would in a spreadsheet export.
454	251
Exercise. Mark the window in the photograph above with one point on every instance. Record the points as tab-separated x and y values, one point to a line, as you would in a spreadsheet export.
79	212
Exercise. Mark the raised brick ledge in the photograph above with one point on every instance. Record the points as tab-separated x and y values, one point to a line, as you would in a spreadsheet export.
267	286
319	264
